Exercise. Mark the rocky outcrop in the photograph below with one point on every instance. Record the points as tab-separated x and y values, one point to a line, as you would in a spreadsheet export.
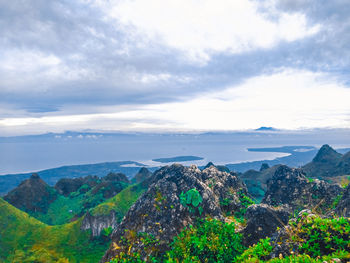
290	186
262	222
116	177
98	223
142	175
177	197
343	207
66	186
32	195
221	168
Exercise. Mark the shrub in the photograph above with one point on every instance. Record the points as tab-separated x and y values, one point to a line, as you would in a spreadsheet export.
191	199
209	241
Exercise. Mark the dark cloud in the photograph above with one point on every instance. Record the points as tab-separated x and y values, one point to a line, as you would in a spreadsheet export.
102	62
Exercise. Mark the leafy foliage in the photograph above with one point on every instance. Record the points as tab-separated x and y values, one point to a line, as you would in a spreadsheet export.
209	241
318	236
107	231
257	253
316	239
191	199
245	203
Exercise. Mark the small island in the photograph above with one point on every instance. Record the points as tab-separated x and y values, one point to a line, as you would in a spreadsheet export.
178	159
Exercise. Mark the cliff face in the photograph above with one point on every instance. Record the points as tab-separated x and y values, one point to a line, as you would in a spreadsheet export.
32	194
177	197
290	186
98	223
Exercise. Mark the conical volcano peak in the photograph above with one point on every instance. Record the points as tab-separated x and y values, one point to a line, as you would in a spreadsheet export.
327	154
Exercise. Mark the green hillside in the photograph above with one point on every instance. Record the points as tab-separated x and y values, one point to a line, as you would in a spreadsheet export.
25	239
121	202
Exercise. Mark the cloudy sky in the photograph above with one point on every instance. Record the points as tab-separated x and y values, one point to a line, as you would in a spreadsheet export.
173	65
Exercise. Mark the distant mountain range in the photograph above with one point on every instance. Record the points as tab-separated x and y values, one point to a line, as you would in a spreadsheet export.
51	176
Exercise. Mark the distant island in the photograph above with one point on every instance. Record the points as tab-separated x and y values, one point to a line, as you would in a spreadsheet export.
178	159
263	128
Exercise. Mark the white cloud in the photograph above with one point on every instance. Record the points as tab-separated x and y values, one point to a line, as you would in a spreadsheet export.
202	27
288	99
21	68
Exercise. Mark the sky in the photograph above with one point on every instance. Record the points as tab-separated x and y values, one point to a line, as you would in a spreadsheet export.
173	65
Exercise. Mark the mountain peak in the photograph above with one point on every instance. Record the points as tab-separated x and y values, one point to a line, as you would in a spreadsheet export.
35	176
264	166
142	175
327	154
32	194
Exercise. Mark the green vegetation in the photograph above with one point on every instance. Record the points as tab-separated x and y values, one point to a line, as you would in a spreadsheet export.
316	239
336	201
209	241
191	199
245	203
63	209
107	231
345	181
24	238
309	239
121	202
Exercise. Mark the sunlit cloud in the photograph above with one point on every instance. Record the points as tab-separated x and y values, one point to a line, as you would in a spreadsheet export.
201	27
288	99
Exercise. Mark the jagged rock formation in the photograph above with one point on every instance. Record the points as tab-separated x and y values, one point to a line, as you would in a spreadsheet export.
142	175
32	194
98	223
328	163
65	186
264	166
160	213
262	221
290	186
343	207
221	168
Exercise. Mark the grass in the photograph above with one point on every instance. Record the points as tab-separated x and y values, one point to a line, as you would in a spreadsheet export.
23	236
121	202
61	211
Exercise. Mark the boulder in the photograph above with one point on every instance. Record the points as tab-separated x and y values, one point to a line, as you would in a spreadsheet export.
262	222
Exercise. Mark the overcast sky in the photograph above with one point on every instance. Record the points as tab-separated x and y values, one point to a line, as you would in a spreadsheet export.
173	65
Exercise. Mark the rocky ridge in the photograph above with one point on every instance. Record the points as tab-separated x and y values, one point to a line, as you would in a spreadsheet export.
161	212
289	186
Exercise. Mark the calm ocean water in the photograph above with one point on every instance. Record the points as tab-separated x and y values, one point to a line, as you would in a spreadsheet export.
33	153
